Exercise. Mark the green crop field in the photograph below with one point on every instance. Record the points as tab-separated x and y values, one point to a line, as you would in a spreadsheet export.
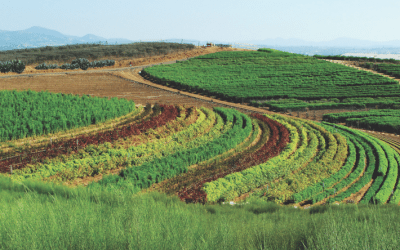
29	113
265	75
386	68
381	120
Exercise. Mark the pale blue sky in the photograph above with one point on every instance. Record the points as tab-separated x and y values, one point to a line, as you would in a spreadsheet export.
312	20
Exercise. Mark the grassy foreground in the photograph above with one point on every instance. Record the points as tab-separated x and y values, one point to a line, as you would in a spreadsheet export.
39	216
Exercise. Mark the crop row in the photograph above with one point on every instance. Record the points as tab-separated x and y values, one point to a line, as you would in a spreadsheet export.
396	146
382	168
381	120
345	177
323	188
98	159
389	69
191	180
105	158
29	113
204	128
311	146
153	172
188	185
239	183
386	174
245	76
273	146
327	162
169	113
296	105
355	58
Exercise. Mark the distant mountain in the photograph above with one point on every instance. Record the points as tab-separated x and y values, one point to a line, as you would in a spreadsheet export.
38	37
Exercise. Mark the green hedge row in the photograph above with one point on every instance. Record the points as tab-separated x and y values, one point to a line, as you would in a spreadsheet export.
81	63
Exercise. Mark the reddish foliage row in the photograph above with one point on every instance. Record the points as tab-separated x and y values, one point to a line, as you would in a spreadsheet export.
276	143
169	113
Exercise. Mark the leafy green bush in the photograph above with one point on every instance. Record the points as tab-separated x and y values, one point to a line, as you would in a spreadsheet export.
69	66
46	66
82	62
13	66
103	63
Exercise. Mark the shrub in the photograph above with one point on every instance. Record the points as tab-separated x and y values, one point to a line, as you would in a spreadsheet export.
83	63
46	66
13	66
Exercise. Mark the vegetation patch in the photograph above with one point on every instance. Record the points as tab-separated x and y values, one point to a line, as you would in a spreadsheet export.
30	113
387	120
244	76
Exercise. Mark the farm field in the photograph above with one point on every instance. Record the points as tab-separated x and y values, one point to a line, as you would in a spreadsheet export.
219	145
163	175
261	76
225	153
380	120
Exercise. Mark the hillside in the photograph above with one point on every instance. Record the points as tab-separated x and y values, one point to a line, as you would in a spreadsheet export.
169	170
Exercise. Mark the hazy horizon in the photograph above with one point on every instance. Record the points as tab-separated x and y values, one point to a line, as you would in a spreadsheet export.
312	20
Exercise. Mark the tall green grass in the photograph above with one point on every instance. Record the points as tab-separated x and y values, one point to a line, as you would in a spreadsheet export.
34	215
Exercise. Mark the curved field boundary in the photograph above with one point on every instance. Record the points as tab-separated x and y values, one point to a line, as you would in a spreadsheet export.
310	145
38	143
273	146
396	147
104	158
196	174
239	183
169	113
328	161
145	175
342	180
376	157
335	184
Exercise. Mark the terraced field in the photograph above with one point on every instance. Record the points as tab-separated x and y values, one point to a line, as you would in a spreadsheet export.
213	155
191	148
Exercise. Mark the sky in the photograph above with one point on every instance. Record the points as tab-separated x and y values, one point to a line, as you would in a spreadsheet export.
235	21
